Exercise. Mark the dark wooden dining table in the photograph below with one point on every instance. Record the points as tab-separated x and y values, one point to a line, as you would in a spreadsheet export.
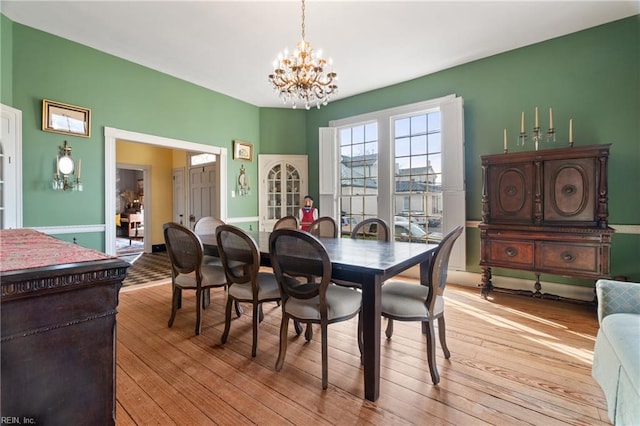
369	262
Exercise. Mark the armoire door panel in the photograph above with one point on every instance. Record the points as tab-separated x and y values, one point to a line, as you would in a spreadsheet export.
570	190
511	198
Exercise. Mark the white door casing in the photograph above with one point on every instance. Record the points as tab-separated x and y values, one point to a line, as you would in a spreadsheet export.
11	167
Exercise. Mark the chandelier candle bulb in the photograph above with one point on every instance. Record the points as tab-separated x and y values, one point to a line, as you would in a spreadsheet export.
536	119
79	168
550	118
57	165
571	130
522	122
505	140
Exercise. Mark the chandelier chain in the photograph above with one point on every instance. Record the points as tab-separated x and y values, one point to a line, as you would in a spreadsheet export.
303	7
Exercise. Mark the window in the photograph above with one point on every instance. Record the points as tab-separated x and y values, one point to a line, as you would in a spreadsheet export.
418	171
358	174
198	159
404	165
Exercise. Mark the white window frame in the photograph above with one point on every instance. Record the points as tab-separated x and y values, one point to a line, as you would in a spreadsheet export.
453	179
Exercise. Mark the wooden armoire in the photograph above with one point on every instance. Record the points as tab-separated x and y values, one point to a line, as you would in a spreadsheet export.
546	212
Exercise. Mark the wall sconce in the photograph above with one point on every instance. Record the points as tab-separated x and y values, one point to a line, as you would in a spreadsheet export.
244	186
65	169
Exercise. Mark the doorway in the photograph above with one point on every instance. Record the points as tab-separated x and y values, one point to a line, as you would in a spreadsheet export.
130	208
153	232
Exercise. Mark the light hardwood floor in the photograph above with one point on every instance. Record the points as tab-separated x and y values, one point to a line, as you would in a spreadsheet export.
514	360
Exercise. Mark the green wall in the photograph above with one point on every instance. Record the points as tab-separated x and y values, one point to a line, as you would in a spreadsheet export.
6	51
592	76
120	94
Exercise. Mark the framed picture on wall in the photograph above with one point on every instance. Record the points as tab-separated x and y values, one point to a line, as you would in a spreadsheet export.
67	119
242	151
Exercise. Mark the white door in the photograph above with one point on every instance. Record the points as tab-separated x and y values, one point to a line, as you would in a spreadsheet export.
202	190
179	213
283	184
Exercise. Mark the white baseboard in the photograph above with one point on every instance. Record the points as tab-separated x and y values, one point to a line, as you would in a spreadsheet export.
471	279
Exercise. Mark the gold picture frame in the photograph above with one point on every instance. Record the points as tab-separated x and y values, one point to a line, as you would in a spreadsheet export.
242	151
67	119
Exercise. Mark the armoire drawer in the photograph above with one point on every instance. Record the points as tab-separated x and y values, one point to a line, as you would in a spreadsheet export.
582	258
512	252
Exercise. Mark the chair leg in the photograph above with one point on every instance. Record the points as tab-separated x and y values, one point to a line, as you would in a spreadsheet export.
206	300
179	296
360	331
297	327
257	311
443	340
431	351
308	334
238	309
260	313
227	319
389	330
199	301
325	353
284	329
175	304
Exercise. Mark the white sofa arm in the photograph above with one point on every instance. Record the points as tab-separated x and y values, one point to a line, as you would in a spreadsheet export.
617	297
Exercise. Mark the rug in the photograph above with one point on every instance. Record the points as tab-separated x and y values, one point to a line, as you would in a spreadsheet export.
146	268
124	248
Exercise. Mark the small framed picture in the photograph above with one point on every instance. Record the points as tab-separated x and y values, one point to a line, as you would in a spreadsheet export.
242	151
67	119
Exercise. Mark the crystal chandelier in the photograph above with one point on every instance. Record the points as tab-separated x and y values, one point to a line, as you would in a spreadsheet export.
300	78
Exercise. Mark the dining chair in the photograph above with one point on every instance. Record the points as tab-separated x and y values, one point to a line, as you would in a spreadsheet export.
208	225
241	262
405	301
188	272
295	256
287	222
371	228
324	227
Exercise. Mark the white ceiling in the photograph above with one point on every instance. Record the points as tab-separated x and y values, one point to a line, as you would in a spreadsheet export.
229	46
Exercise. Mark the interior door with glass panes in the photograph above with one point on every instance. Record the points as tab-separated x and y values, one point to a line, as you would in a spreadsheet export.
283	185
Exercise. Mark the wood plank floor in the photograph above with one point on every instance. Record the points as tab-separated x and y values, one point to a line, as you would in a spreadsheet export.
514	360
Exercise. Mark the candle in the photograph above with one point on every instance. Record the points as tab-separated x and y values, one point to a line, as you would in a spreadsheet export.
571	130
550	118
57	165
536	121
505	139
522	122
79	168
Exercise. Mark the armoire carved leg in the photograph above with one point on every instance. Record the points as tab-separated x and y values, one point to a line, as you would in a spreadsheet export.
537	286
486	281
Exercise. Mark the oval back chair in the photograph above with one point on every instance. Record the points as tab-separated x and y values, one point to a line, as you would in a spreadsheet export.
303	270
405	301
188	272
372	228
241	262
324	227
287	222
